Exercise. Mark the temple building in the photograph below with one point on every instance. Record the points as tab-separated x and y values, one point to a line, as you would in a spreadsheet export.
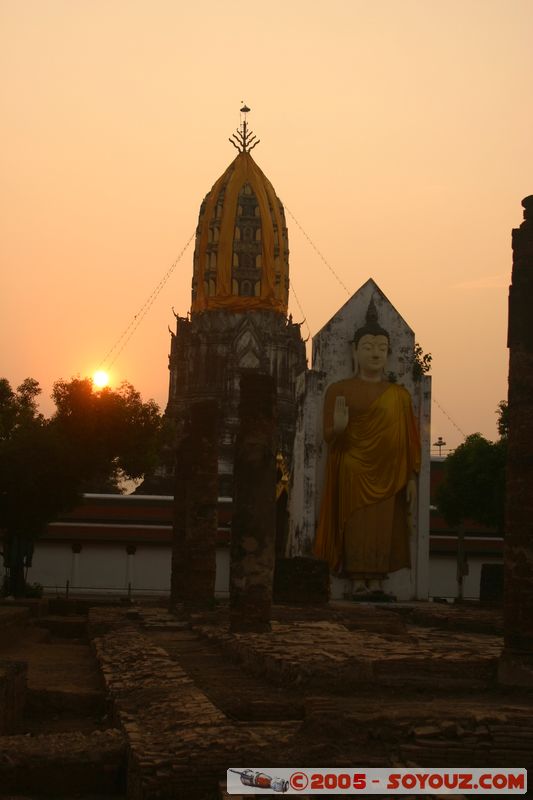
238	317
333	360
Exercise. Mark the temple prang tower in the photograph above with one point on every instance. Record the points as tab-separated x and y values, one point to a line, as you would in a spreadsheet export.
516	664
238	317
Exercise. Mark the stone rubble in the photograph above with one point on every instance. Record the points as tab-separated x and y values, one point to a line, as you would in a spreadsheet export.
63	763
180	743
13	693
320	655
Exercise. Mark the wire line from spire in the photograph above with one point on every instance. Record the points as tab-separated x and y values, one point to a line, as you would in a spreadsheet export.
315	248
292	289
455	425
128	332
328	265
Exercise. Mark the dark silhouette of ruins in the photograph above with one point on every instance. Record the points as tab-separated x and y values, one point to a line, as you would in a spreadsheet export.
517	662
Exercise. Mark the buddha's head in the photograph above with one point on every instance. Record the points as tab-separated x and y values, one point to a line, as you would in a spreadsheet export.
371	346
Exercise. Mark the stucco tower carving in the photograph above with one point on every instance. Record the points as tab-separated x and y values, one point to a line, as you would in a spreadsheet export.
238	318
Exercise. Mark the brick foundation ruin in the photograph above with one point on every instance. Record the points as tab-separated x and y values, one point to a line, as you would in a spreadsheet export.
181	700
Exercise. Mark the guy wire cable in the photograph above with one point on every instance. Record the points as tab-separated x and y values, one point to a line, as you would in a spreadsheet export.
328	265
128	332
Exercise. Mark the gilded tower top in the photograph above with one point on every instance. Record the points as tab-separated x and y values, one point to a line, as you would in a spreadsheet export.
241	255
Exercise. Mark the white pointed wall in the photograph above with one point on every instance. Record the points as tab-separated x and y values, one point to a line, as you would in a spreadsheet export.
332	361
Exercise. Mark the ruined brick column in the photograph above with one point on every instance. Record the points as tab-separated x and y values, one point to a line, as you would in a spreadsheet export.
254	507
516	664
178	567
195	510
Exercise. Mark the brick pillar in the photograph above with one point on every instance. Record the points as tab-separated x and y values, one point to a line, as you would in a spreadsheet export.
516	664
195	510
254	507
178	566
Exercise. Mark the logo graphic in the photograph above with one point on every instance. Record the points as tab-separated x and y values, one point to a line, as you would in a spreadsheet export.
260	780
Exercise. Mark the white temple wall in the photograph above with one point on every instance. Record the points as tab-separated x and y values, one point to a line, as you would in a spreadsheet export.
103	570
443	575
52	565
108	568
332	361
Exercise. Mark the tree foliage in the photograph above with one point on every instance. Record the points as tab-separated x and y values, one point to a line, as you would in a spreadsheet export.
421	362
474	480
503	419
115	430
91	441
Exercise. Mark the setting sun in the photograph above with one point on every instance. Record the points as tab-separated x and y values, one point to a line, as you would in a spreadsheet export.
100	379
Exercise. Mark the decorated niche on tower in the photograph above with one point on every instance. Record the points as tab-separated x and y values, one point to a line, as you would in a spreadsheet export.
238	316
360	493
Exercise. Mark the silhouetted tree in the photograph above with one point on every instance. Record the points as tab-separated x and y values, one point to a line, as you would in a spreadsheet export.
421	362
503	419
92	441
473	486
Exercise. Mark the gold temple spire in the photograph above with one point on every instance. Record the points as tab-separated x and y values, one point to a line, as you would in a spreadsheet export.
241	254
243	139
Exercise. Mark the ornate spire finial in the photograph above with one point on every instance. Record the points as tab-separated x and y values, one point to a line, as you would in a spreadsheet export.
372	313
244	140
371	325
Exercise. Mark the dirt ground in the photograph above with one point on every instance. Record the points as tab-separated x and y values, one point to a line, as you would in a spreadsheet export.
65	691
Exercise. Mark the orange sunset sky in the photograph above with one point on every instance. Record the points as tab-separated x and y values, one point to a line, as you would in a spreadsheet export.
398	133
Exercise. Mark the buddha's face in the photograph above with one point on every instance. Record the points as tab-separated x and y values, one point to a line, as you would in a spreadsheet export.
372	352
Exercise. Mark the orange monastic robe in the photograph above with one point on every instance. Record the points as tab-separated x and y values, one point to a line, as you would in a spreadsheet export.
363	527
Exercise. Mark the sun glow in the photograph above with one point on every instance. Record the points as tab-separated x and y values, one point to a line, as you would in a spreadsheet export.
100	379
